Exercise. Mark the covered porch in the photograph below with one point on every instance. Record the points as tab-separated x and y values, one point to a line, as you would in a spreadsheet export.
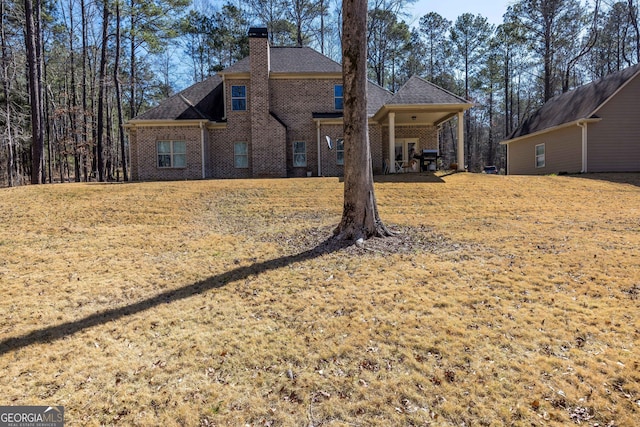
411	135
411	122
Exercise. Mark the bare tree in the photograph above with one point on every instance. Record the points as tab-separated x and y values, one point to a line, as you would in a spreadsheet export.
6	82
302	13
33	44
101	93
118	100
633	18
588	44
360	219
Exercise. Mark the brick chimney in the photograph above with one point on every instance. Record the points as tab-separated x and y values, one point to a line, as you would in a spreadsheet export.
260	65
268	136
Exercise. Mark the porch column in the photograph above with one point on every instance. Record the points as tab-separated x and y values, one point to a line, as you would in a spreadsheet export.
318	140
392	142
460	141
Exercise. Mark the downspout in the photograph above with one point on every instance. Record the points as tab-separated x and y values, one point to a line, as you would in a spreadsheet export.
204	173
507	171
129	150
224	98
319	146
583	125
461	156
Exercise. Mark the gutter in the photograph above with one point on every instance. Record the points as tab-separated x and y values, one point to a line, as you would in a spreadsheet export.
550	129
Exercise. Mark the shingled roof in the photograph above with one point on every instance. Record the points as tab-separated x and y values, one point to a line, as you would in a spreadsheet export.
202	101
421	92
580	103
376	97
292	60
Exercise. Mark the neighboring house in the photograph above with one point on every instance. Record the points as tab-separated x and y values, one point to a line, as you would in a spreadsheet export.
272	115
594	128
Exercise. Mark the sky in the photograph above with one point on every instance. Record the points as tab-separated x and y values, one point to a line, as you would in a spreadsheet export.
451	9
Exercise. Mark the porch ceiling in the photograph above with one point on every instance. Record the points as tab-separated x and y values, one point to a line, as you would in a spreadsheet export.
419	114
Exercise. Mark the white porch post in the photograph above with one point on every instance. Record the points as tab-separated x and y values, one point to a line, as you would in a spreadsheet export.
318	136
460	141
392	142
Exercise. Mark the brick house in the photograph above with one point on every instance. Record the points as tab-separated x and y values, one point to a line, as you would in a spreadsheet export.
278	113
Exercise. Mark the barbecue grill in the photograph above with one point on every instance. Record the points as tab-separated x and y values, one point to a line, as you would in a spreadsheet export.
429	160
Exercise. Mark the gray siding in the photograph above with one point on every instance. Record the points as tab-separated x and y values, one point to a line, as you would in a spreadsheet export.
563	153
614	142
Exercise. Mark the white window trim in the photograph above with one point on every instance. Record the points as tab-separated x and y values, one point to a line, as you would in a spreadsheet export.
543	156
295	165
244	98
236	155
338	162
172	153
335	97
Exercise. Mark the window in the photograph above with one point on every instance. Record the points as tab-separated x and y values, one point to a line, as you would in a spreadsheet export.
337	97
240	155
239	98
172	154
340	151
299	154
405	150
540	156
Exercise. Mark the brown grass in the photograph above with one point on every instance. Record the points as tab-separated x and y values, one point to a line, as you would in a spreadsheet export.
505	301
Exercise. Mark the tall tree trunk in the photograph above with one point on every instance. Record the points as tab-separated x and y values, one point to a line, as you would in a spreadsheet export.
360	219
633	18
85	120
101	93
6	82
490	160
322	26
467	115
116	81
548	65
34	48
508	107
73	99
132	63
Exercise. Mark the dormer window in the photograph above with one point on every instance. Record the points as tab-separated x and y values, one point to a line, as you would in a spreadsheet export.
337	96
239	98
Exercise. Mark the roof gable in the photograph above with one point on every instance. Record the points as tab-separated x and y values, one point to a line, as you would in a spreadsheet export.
377	97
302	60
419	91
580	103
201	101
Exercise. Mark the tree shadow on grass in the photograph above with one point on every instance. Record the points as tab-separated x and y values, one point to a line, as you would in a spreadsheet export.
412	177
53	333
632	178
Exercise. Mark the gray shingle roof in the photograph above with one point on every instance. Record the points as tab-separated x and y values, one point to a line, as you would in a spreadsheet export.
419	91
292	60
376	97
580	103
202	101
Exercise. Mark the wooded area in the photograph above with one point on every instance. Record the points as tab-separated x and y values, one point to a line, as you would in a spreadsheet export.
74	71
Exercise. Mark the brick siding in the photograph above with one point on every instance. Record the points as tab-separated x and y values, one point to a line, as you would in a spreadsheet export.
144	154
427	137
279	113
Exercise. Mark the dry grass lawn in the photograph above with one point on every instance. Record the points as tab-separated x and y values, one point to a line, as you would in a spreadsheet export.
504	301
